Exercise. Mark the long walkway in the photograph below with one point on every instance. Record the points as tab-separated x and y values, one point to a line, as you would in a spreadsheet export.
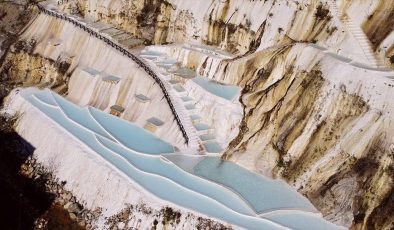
127	53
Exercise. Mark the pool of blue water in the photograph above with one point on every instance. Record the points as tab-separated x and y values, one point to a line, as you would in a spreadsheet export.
202	126
213	147
108	126
261	193
80	115
186	99
146	171
207	137
178	178
131	135
228	92
168	61
151	53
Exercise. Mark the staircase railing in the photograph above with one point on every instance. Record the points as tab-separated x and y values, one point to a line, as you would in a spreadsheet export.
126	53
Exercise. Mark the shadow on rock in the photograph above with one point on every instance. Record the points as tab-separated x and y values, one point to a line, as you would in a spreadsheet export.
24	199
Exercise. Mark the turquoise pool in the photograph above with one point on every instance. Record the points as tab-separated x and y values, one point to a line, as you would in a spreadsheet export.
228	92
131	135
193	182
261	193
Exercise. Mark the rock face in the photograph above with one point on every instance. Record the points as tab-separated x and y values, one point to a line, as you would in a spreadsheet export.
24	67
323	134
33	193
321	121
63	199
316	132
242	26
237	26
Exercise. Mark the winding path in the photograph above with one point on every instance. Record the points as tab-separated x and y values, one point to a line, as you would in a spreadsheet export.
127	53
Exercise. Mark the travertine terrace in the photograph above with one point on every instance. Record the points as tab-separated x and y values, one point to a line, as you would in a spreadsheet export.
206	108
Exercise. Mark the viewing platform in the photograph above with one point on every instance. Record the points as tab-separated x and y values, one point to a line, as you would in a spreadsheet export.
111	79
117	110
91	71
142	98
153	124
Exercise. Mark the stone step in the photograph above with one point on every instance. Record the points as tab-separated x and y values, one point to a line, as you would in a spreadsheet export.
187	99
195	118
190	107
